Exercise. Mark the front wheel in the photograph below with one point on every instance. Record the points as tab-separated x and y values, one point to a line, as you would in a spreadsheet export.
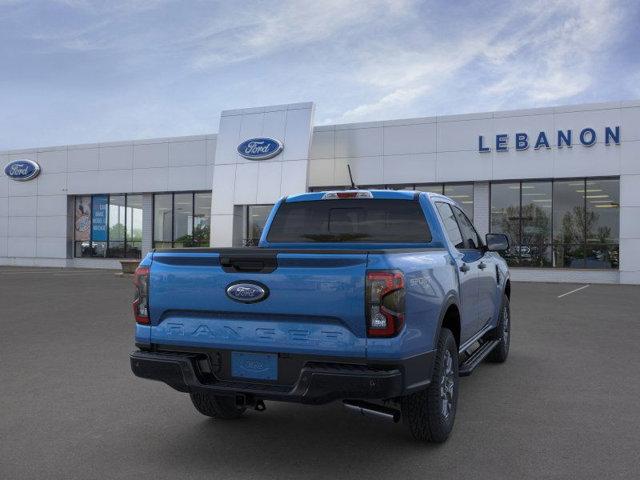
216	406
430	413
502	333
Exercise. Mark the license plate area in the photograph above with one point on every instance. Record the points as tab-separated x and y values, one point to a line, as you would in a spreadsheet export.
255	366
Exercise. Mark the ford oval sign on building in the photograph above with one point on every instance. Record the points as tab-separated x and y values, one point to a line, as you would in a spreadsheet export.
247	292
260	148
22	170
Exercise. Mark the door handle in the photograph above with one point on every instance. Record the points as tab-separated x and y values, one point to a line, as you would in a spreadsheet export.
482	265
464	267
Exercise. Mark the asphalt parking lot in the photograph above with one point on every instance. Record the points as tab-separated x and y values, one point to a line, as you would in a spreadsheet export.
565	405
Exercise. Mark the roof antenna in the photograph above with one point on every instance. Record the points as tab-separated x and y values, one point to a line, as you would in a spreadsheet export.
353	184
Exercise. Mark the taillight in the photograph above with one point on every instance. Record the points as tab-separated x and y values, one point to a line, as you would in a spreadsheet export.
384	303
141	299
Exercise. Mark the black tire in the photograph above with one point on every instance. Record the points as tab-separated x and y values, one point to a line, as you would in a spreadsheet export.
424	411
216	406
502	333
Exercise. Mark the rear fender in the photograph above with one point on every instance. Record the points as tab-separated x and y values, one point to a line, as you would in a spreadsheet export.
451	299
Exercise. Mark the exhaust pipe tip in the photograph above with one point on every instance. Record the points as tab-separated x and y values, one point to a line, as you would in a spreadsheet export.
369	409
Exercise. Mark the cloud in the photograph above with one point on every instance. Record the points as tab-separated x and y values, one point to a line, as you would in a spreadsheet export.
557	62
541	53
287	25
398	98
405	77
94	71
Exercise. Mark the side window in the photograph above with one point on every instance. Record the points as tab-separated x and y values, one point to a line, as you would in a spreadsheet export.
450	224
469	234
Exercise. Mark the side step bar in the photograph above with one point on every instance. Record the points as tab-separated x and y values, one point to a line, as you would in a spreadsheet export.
465	369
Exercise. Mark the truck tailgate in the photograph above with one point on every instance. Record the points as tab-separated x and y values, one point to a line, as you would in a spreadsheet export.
315	304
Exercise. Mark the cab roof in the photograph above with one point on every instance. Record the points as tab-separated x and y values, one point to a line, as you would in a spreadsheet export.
382	194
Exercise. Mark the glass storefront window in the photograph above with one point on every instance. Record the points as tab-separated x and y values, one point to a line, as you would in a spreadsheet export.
82	226
256	218
162	220
99	225
201	219
564	223
603	223
399	187
433	187
181	219
535	229
569	223
505	216
134	225
117	219
568	211
108	226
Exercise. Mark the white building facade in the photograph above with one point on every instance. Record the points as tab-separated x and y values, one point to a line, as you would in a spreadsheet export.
563	183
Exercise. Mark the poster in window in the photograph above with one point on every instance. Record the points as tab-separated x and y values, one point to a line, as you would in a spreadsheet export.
99	218
83	219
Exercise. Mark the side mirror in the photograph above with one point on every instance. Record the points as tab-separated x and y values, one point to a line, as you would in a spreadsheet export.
497	242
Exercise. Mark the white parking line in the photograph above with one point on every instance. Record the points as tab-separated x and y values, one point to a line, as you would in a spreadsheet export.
56	273
65	274
573	291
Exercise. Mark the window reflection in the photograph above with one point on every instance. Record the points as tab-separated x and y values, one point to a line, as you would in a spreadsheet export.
201	219
82	226
566	223
117	218
603	223
182	219
430	187
450	224
535	233
256	218
134	226
463	194
162	220
569	223
108	226
505	217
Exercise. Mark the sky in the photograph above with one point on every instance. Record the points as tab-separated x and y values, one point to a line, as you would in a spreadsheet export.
79	71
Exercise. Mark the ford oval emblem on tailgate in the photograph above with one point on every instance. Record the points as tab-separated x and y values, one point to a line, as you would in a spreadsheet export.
247	292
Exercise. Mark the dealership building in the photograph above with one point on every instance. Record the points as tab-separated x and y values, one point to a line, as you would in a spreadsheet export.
562	182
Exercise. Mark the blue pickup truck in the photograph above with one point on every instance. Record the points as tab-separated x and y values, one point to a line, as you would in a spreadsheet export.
380	299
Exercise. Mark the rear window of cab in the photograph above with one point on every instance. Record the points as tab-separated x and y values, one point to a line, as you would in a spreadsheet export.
350	221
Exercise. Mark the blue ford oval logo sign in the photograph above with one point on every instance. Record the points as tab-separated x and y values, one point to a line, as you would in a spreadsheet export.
247	292
22	170
260	148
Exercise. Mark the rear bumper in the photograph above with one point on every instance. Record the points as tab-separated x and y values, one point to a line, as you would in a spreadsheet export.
318	382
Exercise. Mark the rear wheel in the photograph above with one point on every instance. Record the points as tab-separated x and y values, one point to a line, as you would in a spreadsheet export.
430	413
216	406
502	333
